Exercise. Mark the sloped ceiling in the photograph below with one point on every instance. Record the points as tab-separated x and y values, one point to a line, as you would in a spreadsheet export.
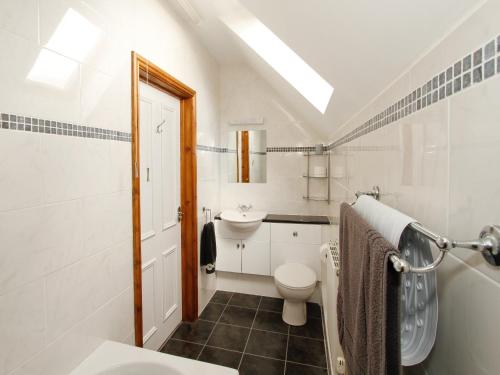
358	46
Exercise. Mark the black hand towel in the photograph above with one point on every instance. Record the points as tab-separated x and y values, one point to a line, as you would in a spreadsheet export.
208	252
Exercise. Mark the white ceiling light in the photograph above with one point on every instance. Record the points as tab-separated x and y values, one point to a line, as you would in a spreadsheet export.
52	69
75	36
279	56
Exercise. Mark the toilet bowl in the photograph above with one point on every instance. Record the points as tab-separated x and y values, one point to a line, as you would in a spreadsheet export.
295	283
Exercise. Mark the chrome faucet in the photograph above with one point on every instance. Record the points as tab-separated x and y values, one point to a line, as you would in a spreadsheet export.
244	207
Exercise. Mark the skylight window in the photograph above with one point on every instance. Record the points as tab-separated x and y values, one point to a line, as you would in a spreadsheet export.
52	69
72	41
280	57
75	36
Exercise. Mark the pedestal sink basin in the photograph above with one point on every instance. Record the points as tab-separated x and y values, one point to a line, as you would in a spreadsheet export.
243	221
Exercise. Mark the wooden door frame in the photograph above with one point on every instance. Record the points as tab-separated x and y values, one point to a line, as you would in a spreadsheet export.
145	71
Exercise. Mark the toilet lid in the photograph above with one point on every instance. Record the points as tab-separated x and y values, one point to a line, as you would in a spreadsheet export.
295	275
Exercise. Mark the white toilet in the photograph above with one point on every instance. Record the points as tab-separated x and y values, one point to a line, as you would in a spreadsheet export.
295	283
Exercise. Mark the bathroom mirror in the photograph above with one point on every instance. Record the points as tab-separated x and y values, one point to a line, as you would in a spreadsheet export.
246	156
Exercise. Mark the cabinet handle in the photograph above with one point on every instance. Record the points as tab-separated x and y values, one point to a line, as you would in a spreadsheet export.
243	246
295	234
237	245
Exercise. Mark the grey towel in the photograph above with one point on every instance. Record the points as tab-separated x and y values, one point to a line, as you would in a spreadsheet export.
368	300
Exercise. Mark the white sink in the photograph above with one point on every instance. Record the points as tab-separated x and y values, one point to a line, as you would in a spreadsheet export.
243	221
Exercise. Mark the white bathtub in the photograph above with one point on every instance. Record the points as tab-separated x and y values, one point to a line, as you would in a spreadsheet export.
112	358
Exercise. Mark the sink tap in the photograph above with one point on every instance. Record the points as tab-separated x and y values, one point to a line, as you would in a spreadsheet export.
244	207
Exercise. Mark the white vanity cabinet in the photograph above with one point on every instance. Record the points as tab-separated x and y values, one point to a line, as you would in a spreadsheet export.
260	252
296	243
243	252
228	255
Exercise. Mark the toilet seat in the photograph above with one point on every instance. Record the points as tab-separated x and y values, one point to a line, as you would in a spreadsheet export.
295	276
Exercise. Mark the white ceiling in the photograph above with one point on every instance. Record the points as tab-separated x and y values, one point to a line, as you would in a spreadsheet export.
358	46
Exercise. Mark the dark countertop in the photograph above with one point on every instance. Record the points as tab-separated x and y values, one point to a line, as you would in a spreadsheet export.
294	219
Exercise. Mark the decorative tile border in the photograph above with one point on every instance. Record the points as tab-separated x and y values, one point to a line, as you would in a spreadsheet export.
268	149
37	125
471	70
291	149
211	148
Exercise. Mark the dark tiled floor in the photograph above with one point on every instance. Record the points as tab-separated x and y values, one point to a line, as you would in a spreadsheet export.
246	332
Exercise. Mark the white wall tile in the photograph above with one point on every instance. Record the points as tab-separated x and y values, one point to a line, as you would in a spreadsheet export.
44	101
20	17
435	165
74	292
21	177
22	325
107	220
65	206
474	188
112	321
38	241
74	167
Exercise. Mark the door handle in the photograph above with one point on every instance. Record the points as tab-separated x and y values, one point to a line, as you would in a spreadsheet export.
180	214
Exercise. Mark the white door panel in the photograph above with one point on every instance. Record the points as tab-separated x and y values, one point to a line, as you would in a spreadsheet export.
169	168
148	299
146	117
159	159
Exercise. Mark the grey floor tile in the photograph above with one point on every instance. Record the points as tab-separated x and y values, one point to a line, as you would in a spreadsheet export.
270	321
267	344
313	310
197	332
252	365
245	300
313	329
239	316
296	369
229	337
212	312
221	296
220	357
306	351
182	348
271	304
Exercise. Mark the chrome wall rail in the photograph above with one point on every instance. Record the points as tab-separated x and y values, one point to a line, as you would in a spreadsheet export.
488	244
375	193
208	214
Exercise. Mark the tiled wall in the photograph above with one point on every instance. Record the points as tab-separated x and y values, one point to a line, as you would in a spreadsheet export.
437	161
245	95
65	183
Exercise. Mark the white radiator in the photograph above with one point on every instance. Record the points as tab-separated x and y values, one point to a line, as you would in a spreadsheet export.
329	273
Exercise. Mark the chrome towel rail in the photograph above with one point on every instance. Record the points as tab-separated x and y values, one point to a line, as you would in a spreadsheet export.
208	214
488	244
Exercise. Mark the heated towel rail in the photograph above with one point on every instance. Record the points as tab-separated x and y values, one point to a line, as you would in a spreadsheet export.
488	243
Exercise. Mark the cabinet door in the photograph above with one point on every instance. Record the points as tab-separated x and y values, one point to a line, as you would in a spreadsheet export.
256	258
296	233
228	255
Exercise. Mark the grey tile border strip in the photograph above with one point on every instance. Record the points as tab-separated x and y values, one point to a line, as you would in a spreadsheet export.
37	125
474	68
268	149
